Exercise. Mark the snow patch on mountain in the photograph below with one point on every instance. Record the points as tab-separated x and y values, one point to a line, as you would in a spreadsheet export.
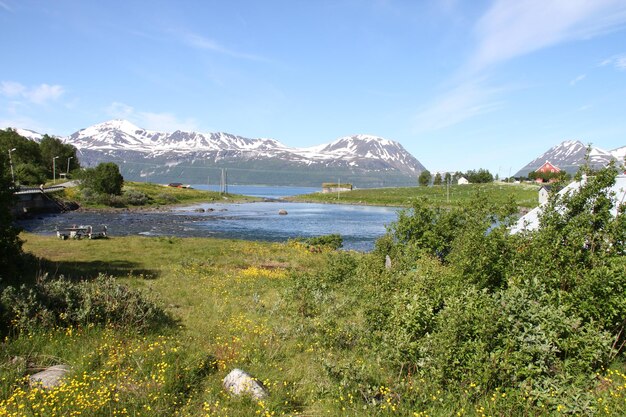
121	135
569	156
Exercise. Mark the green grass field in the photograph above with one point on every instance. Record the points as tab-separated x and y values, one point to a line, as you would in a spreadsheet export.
524	195
234	306
160	195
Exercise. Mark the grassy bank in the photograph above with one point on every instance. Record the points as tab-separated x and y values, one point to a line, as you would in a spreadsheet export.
299	320
524	195
141	194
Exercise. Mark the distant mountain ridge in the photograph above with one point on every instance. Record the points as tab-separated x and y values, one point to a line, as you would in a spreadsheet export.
193	157
570	155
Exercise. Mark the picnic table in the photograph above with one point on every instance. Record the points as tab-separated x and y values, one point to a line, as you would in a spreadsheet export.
79	232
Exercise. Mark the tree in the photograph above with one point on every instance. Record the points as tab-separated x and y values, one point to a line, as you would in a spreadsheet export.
479	177
424	178
10	243
51	148
103	179
30	174
26	152
448	178
437	180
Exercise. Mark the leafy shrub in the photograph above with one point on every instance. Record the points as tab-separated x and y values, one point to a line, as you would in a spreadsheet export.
316	243
103	179
66	303
167	198
468	304
136	198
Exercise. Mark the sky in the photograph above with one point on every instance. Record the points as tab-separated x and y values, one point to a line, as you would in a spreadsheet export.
460	84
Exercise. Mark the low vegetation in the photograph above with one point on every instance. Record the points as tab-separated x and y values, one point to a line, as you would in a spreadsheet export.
140	194
35	163
449	315
523	195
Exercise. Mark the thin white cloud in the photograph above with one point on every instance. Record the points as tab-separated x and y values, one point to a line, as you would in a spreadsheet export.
164	122
39	94
462	103
43	93
11	89
578	79
513	28
5	6
207	44
509	29
617	61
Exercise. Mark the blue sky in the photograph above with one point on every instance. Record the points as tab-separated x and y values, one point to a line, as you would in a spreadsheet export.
460	84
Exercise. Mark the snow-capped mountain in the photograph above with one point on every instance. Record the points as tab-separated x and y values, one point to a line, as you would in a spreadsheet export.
29	134
569	156
186	156
619	153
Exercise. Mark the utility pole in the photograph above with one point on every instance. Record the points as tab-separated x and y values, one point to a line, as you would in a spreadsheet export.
54	170
68	165
338	187
11	164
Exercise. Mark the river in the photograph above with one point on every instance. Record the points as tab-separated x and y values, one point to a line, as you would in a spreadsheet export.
359	226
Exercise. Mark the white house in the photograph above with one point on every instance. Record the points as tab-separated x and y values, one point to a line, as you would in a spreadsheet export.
462	181
530	221
544	193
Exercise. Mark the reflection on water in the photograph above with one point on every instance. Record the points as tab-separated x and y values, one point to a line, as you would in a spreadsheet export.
359	226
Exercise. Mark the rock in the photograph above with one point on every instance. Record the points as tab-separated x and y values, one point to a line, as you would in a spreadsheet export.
239	382
282	212
199	210
49	378
387	262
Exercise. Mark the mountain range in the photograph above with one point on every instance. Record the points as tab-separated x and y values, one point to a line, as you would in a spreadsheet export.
193	157
570	155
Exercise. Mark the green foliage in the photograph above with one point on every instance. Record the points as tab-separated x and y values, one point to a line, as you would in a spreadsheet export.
10	243
137	198
438	179
53	149
103	179
424	178
550	176
30	174
64	303
538	312
332	241
33	161
525	195
481	176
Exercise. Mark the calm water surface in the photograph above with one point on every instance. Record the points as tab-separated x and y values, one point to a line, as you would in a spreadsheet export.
359	226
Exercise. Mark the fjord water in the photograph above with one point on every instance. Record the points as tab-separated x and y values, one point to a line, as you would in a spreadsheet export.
359	226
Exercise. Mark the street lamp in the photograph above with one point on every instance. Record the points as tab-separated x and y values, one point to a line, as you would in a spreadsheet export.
11	164
54	170
68	165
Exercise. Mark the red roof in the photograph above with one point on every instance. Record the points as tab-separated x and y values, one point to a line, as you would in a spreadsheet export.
547	167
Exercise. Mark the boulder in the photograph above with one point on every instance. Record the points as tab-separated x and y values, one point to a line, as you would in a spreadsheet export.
50	377
282	212
239	382
199	210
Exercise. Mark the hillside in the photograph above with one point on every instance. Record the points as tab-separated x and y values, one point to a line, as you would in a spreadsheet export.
193	157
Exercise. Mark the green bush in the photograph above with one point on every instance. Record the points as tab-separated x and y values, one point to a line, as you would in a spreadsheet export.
103	179
136	198
468	304
332	241
61	302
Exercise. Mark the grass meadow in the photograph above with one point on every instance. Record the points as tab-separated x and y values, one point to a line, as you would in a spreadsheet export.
524	195
235	304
